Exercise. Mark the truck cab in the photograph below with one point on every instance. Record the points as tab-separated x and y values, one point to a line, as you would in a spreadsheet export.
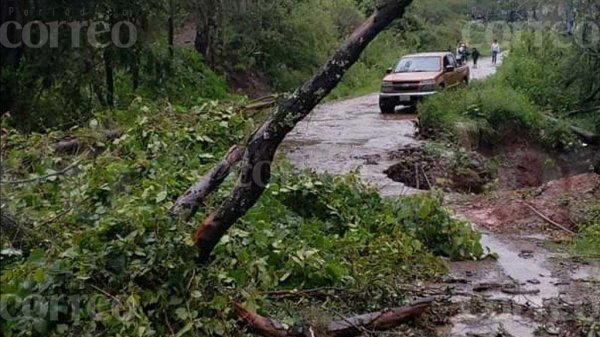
417	76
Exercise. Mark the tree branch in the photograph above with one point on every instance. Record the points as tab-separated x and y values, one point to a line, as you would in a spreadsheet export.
584	135
346	327
255	170
55	174
74	145
187	205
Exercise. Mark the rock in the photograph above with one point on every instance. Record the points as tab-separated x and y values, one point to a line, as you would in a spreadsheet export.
526	254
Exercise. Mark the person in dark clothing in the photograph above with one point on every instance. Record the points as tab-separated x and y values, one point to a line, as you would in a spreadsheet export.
475	53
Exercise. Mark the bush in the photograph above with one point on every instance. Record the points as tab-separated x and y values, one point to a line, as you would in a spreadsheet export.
491	110
100	232
532	82
539	74
587	242
71	101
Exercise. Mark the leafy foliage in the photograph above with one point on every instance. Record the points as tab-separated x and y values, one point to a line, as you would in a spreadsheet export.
587	242
97	236
533	81
494	110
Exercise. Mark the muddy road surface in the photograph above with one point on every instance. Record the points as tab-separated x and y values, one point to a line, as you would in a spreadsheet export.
349	135
530	271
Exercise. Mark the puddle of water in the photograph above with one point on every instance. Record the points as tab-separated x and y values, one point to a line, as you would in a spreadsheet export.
536	236
587	274
466	324
522	269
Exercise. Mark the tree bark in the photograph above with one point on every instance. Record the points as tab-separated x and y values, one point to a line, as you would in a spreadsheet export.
187	205
110	81
171	29
347	327
75	145
208	13
262	145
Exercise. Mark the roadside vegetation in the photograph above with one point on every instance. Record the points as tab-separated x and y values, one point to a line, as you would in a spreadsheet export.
538	89
540	94
100	231
91	165
294	40
587	242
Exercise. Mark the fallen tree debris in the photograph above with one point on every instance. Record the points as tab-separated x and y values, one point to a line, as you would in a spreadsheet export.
347	327
583	134
314	293
262	103
520	291
44	177
261	146
187	205
547	219
75	145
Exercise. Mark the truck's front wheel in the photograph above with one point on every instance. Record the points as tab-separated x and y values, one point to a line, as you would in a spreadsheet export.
387	106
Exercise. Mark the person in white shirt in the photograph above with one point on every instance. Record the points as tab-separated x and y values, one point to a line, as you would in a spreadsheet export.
461	54
495	51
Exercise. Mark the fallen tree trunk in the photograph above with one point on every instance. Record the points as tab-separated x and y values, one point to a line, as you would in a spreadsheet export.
255	171
584	135
262	103
187	205
347	327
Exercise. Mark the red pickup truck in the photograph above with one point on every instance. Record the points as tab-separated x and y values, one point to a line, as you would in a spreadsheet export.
420	75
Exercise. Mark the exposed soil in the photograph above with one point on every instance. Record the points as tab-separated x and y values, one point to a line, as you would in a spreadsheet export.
525	163
249	84
506	211
461	171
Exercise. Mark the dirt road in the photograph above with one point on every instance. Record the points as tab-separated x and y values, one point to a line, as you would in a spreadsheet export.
353	135
349	135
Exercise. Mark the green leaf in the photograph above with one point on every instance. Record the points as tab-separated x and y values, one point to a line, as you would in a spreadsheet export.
181	313
160	197
39	276
187	328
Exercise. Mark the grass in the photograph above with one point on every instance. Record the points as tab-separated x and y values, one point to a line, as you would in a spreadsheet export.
587	241
486	110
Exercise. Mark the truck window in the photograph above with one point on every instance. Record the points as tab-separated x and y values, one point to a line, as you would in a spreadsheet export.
418	64
449	60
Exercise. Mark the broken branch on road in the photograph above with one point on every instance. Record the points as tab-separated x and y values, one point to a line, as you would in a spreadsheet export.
547	219
346	327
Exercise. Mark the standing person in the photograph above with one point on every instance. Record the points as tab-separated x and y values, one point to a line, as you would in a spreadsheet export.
476	55
495	51
461	54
